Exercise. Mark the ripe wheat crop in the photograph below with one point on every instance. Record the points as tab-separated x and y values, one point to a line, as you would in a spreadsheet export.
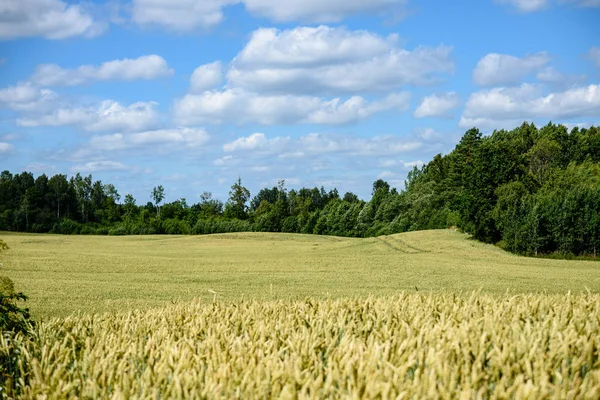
407	346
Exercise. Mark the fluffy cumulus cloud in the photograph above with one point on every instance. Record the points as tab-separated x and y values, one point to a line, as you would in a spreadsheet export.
51	19
503	69
318	10
179	15
145	67
509	106
356	108
188	15
19	94
239	107
25	97
438	105
160	138
310	46
333	60
108	115
205	77
310	75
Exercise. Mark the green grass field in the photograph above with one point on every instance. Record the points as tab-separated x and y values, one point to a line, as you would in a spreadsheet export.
67	274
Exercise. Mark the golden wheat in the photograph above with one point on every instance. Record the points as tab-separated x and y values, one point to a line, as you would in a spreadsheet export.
408	346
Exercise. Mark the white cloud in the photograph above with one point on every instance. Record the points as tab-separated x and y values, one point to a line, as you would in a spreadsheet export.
161	138
205	77
318	153
310	46
353	145
21	93
356	108
438	105
526	5
223	161
553	77
190	15
59	117
51	19
288	181
43	107
386	175
291	155
5	148
108	115
256	142
239	106
26	97
504	69
96	166
318	10
185	136
309	60
406	165
430	135
108	142
40	167
594	55
145	67
498	107
346	161
550	75
411	164
179	15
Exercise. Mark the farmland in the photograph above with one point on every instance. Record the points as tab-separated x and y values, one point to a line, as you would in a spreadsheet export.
428	314
66	274
405	346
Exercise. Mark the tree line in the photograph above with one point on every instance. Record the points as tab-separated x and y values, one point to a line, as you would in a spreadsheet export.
529	190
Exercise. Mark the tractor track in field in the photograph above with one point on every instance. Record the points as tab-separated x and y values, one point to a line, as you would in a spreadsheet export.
399	245
391	246
404	244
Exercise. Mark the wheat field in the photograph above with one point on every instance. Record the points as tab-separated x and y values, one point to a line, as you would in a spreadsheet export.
406	346
274	316
92	274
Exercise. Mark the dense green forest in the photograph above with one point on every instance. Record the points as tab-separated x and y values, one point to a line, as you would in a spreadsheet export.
532	191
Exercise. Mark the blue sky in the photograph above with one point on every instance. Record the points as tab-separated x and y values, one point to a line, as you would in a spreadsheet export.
194	94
